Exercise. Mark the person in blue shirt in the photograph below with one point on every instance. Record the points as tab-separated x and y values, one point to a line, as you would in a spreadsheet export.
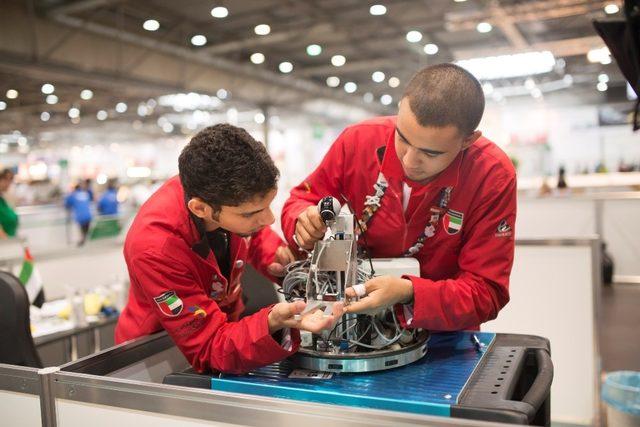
108	203
79	203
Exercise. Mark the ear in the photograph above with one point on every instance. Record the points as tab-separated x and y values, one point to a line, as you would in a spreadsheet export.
473	137
199	208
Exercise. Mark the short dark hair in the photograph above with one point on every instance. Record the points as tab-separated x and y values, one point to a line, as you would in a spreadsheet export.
446	94
224	166
6	174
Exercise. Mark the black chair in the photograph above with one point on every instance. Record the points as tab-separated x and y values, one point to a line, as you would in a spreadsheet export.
17	347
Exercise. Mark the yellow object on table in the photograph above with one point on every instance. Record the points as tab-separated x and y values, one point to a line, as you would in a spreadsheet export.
92	304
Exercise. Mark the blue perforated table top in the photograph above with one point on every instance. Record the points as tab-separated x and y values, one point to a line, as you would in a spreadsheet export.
428	386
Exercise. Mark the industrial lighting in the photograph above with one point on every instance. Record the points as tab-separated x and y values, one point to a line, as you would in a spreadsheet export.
394	82
377	10
611	8
536	93
378	76
338	60
414	36
529	84
86	94
487	88
47	88
262	29
603	78
259	118
198	40
601	55
74	113
506	66
257	58
602	86
51	99
333	81
484	27
222	93
102	115
459	1
3	105
167	127
430	49
151	25
12	94
314	50
350	87
220	12
45	116
285	67
121	107
386	99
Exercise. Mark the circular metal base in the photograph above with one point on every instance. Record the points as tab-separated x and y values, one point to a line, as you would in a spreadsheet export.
377	360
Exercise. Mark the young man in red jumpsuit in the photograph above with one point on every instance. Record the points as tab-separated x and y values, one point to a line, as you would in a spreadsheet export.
188	246
425	184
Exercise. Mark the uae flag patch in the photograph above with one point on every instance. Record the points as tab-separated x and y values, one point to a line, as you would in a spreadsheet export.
452	221
169	303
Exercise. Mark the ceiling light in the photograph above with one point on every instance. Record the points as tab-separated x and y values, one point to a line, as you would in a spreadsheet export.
167	127
568	79
414	36
314	50
394	82
603	78
338	60
74	113
219	12
258	118
601	55
367	97
51	99
198	40
529	84
536	92
459	1
377	10
484	27
386	99
378	76
3	105
506	66
262	29
45	116
222	93
86	94
121	107
333	81
285	67
151	25
487	88
257	58
602	86
611	8
350	87
430	49
102	115
12	94
47	88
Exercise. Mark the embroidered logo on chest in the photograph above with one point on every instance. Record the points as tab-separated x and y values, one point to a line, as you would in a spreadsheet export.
452	221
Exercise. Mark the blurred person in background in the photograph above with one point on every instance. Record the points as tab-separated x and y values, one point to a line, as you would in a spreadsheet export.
8	216
108	203
78	202
88	186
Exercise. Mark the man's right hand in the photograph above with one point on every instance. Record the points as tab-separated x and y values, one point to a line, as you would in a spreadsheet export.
282	315
309	228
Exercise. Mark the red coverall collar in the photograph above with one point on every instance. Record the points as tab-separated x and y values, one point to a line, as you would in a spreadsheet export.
391	167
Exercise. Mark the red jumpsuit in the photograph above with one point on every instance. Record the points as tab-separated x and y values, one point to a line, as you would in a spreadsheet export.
465	265
176	285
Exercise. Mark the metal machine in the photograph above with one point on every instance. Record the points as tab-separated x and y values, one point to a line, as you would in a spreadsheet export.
357	343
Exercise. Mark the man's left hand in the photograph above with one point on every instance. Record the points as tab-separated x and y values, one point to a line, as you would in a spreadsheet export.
382	291
284	256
